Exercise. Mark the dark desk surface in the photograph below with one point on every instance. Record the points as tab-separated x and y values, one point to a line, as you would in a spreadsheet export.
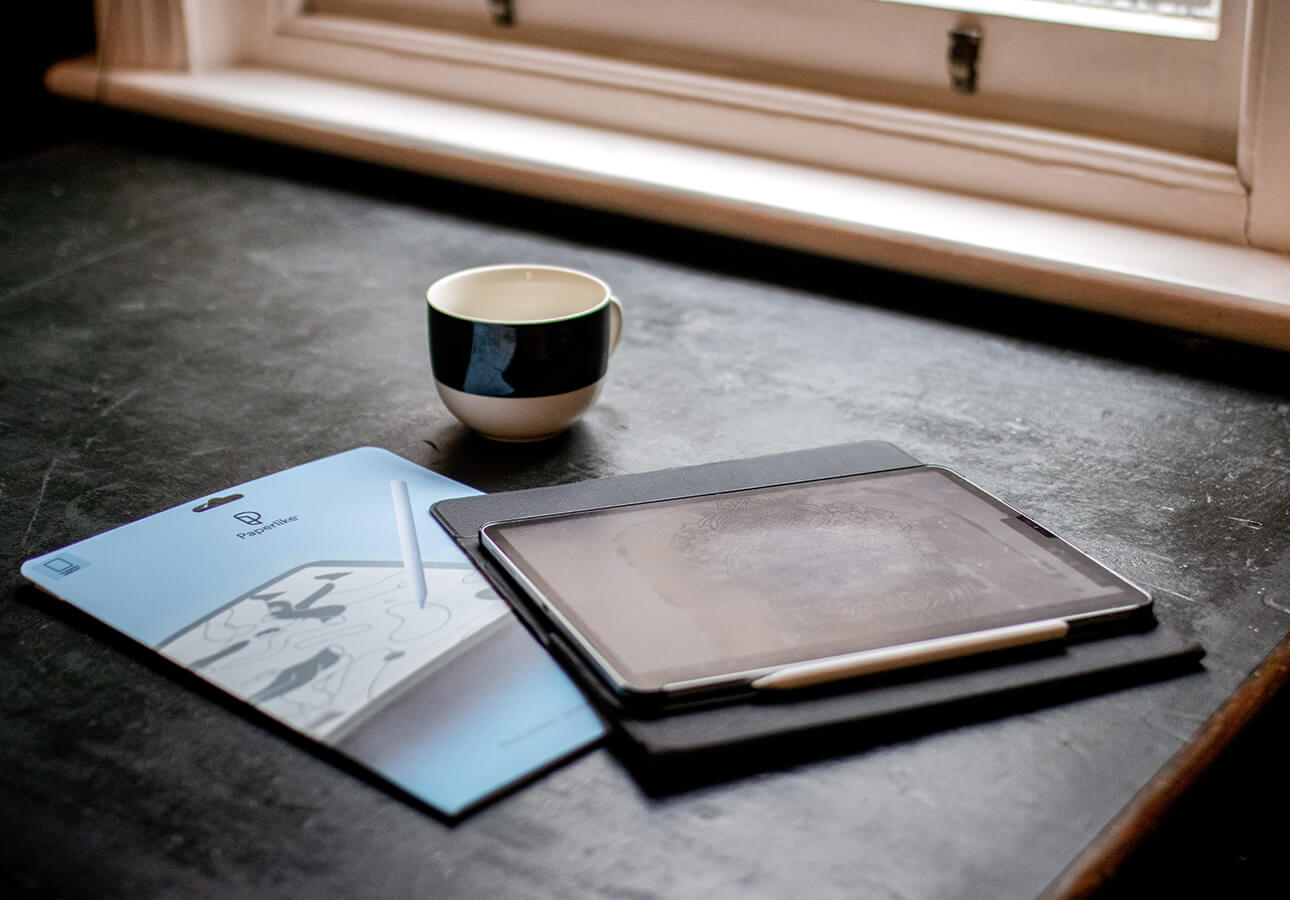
182	312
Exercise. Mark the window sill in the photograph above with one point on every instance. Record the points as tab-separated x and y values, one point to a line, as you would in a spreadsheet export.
1169	279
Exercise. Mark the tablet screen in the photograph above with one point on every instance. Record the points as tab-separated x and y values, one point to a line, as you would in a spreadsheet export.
667	593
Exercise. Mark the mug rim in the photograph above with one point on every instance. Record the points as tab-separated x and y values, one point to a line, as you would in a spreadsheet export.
475	270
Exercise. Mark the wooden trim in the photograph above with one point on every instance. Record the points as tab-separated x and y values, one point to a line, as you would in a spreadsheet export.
1168	279
1251	90
1264	145
1140	89
215	31
783	102
1015	163
1094	869
142	33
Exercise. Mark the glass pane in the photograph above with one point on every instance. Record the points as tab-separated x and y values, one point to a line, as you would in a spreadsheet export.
1196	19
1195	9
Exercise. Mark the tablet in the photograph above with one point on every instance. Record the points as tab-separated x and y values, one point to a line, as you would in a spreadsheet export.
787	586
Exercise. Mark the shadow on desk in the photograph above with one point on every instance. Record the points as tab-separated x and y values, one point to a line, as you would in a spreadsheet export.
1228	835
990	312
669	755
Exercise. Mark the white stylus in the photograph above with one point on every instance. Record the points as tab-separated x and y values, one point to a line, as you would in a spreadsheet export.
408	543
885	659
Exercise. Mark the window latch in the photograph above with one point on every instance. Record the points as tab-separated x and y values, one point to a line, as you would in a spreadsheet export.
503	12
965	50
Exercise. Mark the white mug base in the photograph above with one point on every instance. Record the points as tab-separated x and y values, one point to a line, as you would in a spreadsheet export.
518	419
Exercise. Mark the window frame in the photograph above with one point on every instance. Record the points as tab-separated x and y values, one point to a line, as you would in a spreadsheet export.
1147	234
1114	84
1108	179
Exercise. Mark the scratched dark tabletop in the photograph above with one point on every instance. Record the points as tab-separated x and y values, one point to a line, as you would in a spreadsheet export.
181	311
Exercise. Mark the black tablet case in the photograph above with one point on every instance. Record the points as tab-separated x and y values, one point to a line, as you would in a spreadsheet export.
928	696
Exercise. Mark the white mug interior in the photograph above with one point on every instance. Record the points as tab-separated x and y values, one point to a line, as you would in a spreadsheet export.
518	294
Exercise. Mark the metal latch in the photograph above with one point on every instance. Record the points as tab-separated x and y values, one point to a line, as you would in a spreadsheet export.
965	49
503	12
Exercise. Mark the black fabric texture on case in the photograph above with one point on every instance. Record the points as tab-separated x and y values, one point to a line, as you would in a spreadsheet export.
765	729
462	517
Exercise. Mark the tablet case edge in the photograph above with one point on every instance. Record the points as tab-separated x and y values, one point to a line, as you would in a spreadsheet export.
684	736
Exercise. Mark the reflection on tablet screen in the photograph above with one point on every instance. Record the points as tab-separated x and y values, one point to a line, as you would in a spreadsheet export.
691	588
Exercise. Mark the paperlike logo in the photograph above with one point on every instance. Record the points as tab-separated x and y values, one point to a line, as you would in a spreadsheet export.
256	525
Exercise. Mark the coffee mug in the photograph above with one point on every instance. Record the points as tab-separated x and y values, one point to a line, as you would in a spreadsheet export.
519	352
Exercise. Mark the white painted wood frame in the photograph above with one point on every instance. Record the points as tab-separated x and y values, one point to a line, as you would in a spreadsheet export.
1143	233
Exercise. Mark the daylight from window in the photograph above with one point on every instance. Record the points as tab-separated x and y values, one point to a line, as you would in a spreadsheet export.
1180	18
1206	10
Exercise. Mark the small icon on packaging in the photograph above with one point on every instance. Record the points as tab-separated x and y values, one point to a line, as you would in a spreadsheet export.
62	565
